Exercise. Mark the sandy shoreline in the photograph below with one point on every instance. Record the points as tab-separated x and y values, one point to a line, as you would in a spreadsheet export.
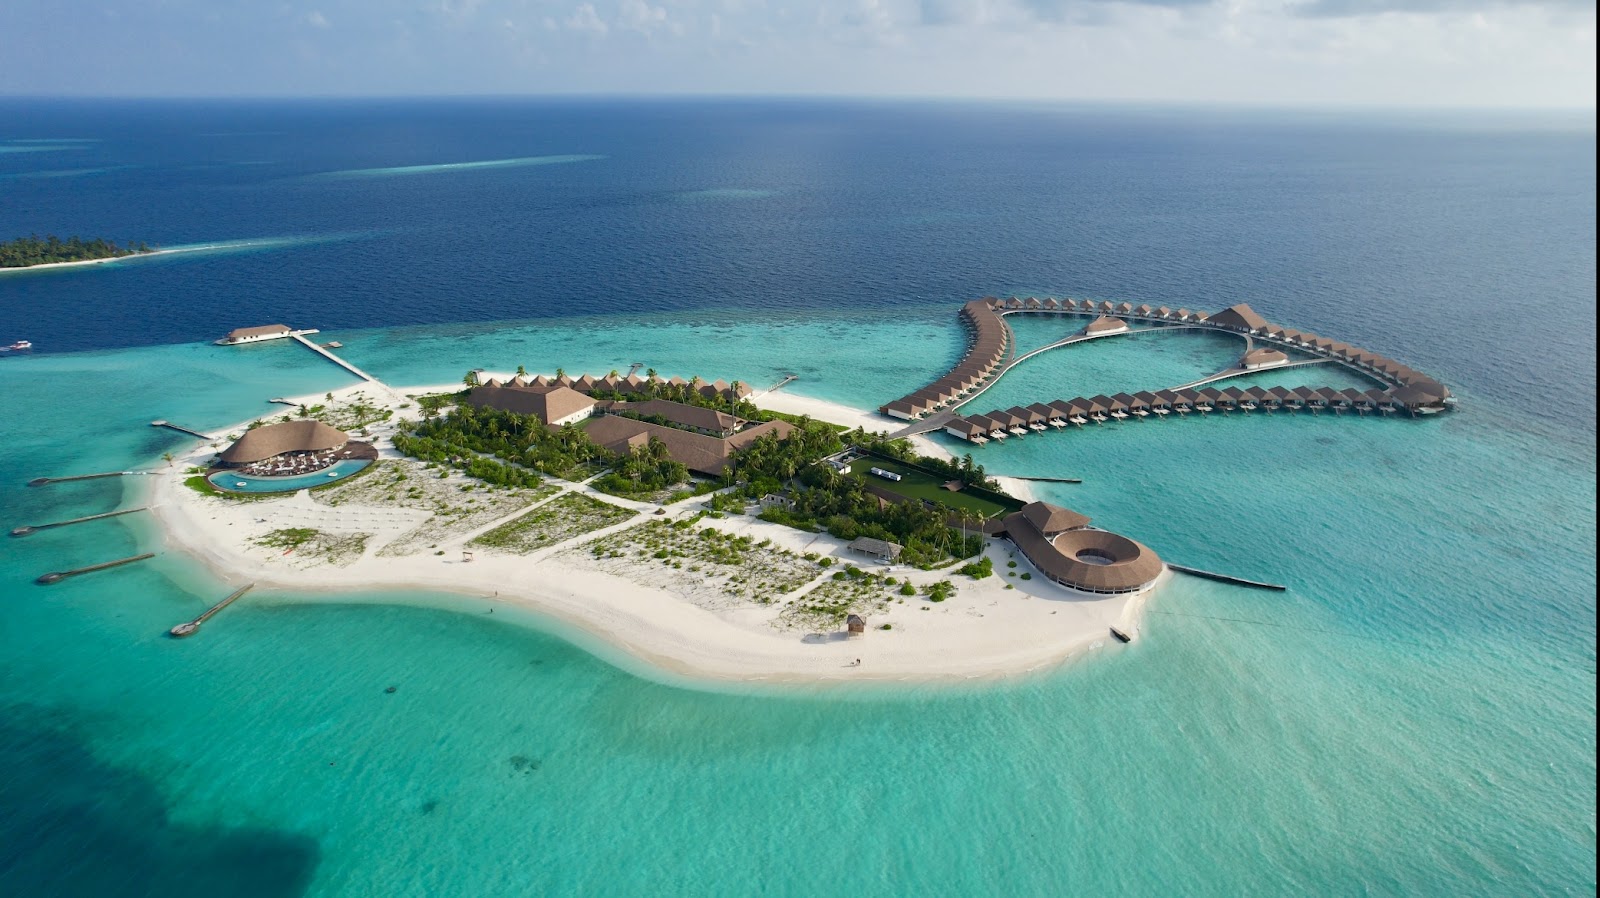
48	265
985	631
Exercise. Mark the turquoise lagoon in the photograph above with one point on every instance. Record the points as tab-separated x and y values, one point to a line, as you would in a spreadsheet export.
1413	716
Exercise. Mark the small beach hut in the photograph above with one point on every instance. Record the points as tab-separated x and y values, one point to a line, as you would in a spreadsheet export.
855	625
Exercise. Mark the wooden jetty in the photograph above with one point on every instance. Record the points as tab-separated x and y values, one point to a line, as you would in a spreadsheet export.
282	401
41	481
189	628
24	531
782	383
1046	479
1224	578
333	358
58	576
171	426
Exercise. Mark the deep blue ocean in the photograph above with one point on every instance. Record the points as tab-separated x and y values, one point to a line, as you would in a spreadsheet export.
1414	716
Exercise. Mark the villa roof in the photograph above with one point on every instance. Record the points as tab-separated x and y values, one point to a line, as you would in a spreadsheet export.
687	415
699	452
1264	355
303	435
1131	565
240	333
1240	316
1105	323
1052	519
547	403
881	548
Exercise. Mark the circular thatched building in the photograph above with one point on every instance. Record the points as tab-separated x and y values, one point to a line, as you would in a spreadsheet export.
286	438
1061	545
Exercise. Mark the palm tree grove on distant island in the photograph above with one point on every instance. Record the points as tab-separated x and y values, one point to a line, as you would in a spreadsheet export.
35	250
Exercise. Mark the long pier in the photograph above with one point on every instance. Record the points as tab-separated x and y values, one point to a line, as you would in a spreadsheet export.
24	531
1046	479
41	481
58	576
333	358
188	628
1225	578
1241	372
171	426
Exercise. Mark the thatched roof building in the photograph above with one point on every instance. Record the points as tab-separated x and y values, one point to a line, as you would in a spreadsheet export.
268	440
1057	542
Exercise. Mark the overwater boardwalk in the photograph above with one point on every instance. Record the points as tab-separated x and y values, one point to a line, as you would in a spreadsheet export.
991	352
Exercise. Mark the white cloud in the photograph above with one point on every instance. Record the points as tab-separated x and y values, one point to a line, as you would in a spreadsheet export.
585	19
316	19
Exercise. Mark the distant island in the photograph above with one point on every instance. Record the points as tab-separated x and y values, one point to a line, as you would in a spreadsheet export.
27	252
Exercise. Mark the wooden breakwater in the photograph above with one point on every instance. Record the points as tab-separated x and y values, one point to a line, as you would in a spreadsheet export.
58	576
34	528
41	481
188	628
1225	578
179	428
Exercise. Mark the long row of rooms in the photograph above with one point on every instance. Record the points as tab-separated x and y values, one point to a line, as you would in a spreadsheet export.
632	383
1244	320
988	344
1099	409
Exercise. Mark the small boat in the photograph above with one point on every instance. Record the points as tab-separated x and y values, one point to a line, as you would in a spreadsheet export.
1121	636
19	346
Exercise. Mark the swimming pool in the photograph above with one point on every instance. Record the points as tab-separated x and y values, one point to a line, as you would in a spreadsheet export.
234	482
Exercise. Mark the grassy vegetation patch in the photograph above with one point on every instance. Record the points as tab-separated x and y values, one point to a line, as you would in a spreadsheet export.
704	564
917	484
306	542
571	515
847	592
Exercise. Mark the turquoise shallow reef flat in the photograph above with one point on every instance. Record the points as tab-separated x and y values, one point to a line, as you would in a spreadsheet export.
1413	721
1415	715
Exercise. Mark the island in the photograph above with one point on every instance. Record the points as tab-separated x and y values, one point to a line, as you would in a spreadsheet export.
717	532
35	251
710	531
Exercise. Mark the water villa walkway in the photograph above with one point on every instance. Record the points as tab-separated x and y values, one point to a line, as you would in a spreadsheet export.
991	352
333	358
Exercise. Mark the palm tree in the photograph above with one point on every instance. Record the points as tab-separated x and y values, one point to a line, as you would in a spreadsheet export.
521	371
650	374
168	457
470	380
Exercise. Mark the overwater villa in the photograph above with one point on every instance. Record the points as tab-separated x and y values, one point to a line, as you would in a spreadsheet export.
990	354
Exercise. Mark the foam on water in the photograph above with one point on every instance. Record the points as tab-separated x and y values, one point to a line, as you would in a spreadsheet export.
435	168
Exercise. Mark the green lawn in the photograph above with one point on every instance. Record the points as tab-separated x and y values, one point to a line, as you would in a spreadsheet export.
918	485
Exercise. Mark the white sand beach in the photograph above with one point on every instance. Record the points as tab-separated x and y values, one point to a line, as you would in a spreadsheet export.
665	617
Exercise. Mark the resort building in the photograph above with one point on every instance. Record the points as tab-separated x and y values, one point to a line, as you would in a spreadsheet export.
700	453
1257	359
878	549
1240	318
292	447
1106	325
1061	545
255	334
553	405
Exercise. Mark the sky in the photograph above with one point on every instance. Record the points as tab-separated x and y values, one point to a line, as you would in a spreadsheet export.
1444	53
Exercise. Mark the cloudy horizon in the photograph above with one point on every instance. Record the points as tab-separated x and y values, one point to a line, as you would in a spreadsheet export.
1384	53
